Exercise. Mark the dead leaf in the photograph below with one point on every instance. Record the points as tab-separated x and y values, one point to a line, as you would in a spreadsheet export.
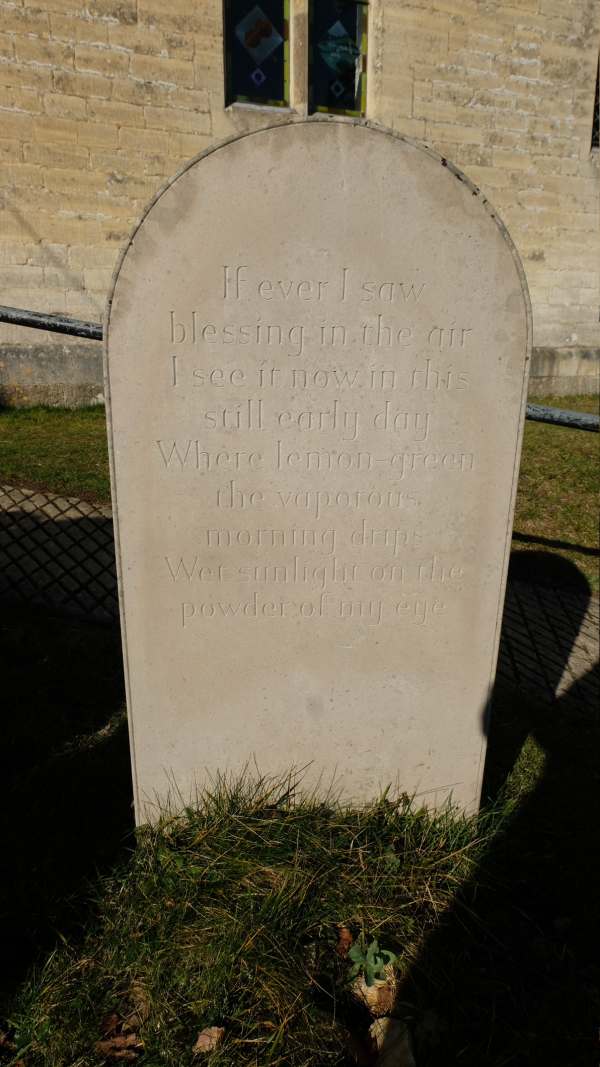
110	1024
345	940
121	1041
209	1039
6	1041
140	1001
141	1009
121	1047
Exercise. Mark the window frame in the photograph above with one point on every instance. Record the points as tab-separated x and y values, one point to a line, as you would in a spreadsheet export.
297	59
233	100
364	53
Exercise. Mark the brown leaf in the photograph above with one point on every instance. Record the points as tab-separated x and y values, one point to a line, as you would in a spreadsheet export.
345	940
6	1042
110	1024
141	1008
121	1047
140	1001
120	1041
209	1039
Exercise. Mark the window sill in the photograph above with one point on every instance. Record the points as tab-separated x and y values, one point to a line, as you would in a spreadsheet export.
273	110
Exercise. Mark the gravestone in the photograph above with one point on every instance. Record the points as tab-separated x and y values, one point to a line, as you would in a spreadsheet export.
316	353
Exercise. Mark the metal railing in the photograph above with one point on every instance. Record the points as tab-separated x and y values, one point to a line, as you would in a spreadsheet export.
37	320
574	420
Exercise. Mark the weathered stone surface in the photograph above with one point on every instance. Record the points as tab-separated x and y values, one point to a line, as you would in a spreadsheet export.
317	347
58	374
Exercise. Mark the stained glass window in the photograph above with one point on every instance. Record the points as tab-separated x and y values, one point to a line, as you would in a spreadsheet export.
338	56
257	52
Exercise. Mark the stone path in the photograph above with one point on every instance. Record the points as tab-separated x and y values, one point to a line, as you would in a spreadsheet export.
59	551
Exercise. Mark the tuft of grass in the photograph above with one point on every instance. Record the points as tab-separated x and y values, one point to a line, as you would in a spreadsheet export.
227	915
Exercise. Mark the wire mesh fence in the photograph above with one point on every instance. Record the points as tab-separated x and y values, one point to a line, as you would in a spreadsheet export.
57	551
549	642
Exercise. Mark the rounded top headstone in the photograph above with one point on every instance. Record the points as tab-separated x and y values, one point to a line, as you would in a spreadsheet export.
355	176
316	352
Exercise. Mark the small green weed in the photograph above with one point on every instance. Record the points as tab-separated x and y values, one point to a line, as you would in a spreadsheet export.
371	962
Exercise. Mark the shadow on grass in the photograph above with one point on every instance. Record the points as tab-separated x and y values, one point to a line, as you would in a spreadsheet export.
65	804
511	975
552	542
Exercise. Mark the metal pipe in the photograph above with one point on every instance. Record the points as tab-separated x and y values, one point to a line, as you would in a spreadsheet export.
576	420
37	320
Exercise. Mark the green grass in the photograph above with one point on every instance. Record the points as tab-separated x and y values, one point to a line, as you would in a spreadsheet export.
557	500
228	916
62	450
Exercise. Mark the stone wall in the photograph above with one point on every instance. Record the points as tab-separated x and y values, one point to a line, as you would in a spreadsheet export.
101	103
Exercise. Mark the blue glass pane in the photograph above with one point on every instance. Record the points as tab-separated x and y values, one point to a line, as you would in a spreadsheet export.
338	38
256	51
